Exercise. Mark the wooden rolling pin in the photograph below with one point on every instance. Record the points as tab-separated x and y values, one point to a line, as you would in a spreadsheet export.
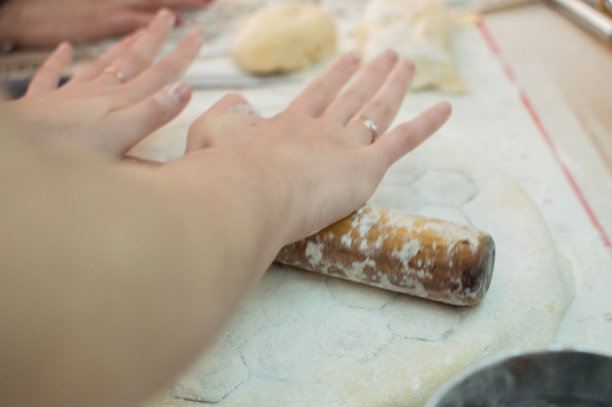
429	258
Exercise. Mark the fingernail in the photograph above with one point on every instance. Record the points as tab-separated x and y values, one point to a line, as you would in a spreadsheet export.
353	58
199	36
172	95
389	54
407	65
167	15
444	108
243	108
178	91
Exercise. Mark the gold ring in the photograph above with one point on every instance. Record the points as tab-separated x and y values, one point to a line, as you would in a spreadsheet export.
370	125
111	70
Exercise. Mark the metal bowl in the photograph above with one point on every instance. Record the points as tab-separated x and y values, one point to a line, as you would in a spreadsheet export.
546	378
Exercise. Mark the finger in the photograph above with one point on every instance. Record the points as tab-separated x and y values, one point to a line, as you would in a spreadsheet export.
168	70
383	108
407	136
143	52
95	68
136	122
362	87
319	94
48	76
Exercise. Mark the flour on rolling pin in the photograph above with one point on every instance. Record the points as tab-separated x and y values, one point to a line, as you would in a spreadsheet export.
426	257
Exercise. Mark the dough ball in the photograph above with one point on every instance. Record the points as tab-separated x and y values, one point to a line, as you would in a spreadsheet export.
284	38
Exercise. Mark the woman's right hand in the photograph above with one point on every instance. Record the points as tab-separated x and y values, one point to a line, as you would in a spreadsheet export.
322	157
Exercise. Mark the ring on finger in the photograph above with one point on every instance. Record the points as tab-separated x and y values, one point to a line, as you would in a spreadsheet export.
111	70
370	125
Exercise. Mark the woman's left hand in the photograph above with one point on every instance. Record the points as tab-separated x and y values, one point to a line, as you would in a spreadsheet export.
118	99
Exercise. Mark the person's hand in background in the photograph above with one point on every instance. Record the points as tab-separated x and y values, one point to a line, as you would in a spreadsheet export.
115	101
48	22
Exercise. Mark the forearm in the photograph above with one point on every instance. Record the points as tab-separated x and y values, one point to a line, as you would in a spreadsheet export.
127	274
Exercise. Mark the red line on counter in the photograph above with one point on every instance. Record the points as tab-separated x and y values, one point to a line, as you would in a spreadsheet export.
545	135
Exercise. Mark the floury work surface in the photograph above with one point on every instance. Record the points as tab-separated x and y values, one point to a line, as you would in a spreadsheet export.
489	166
302	340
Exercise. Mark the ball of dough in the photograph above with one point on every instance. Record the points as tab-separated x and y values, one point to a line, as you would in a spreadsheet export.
284	38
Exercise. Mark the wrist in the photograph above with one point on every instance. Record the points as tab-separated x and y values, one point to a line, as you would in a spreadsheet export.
238	189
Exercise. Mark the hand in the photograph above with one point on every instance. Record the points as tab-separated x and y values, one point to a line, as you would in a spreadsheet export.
47	22
108	110
328	160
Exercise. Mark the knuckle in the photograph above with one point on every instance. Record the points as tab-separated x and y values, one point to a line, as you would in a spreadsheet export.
200	125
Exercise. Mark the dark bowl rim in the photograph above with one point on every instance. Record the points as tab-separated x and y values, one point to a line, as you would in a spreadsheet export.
503	356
